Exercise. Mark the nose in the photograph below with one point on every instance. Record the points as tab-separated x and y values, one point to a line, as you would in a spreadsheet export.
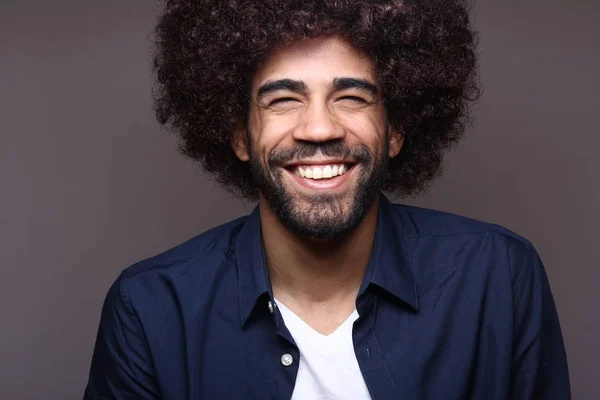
318	124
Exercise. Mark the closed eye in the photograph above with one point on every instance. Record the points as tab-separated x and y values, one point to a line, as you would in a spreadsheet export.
354	98
282	100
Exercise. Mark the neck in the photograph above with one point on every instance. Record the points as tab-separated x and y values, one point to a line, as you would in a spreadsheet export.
316	272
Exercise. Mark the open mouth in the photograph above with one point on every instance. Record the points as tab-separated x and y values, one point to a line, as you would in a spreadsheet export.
321	172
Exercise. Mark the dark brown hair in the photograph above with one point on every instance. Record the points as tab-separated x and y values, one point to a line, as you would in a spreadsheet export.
208	50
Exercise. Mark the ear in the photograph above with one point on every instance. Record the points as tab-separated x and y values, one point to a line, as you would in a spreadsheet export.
239	144
396	141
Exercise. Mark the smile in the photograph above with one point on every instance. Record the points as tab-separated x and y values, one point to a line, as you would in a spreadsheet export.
320	171
333	176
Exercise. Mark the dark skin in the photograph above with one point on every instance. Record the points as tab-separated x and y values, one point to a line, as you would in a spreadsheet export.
318	279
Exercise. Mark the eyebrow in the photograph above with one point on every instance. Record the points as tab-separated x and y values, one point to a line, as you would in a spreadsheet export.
300	87
363	85
282	84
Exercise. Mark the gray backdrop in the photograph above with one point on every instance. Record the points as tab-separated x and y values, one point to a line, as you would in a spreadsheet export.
90	184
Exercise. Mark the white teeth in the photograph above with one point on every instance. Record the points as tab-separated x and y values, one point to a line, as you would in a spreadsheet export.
317	173
322	172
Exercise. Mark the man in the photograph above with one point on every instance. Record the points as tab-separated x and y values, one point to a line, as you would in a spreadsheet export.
327	290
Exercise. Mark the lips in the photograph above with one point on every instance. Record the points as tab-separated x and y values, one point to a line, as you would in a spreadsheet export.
329	176
326	171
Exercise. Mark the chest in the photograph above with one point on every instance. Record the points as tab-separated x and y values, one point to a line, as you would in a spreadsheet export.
328	368
399	353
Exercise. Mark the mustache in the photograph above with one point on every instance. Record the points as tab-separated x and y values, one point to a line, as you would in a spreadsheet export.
298	151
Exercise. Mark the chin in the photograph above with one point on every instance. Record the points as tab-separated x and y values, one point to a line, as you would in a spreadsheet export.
326	217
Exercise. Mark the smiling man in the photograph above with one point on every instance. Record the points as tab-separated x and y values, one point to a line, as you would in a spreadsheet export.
317	138
327	290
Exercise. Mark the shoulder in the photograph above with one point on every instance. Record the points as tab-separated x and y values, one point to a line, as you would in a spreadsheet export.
455	234
206	253
423	223
178	281
427	222
186	275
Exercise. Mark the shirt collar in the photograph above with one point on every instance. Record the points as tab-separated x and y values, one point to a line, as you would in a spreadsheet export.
252	269
390	265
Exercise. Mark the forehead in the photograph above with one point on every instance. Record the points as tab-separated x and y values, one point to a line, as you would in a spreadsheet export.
316	61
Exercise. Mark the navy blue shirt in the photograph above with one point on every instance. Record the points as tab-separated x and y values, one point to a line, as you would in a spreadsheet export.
450	308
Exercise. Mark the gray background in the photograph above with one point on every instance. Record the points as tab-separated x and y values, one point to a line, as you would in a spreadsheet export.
90	184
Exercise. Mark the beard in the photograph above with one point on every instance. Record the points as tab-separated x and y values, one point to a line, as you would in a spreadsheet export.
326	215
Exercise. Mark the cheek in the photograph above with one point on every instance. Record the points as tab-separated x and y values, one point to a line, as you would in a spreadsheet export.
273	134
279	125
367	130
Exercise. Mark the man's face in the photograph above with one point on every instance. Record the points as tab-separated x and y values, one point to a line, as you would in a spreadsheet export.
317	138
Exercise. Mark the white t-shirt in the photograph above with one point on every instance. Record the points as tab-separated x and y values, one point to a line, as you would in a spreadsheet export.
328	367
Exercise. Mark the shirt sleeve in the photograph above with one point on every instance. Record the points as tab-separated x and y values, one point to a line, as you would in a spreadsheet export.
121	365
539	359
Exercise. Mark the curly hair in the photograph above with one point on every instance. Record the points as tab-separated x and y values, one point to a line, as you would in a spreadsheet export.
207	51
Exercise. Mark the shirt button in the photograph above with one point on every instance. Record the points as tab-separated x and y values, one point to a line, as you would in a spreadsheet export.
287	359
271	308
